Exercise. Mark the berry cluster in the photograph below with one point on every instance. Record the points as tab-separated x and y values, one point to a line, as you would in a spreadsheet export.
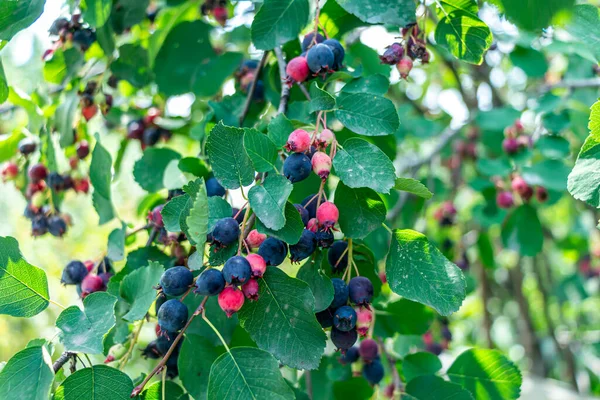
71	32
319	57
146	130
505	198
368	353
402	56
515	138
216	8
444	335
89	277
465	150
90	98
246	74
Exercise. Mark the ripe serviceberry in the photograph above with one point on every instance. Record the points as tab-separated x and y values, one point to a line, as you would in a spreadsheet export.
135	129
220	14
297	167
360	290
350	356
510	145
321	164
38	172
160	300
310	203
83	149
320	58
39	225
273	251
151	136
175	281
257	265
338	52
303	213
92	284
155	217
305	246
541	194
404	67
250	289
297	69
298	141
446	334
27	146
434	348
392	54
368	350
236	270
81	185
325	318
255	239
324	238
172	316
214	188
334	256
73	273
519	185
364	318
231	299
312	225
11	170
88	112
327	215
373	372
340	293
325	138
57	226
225	232
505	199
210	282
344	318
343	340
308	39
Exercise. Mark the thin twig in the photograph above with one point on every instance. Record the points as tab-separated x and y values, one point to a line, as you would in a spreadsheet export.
252	87
285	88
573	84
62	360
392	363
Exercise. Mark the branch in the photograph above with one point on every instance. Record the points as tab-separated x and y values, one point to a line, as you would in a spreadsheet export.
252	87
573	84
392	363
62	360
285	88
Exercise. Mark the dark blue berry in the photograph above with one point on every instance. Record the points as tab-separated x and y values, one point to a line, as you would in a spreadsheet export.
249	65
214	188
373	372
343	340
151	136
350	356
334	255
172	366
273	251
74	273
259	91
210	283
226	231
27	146
434	348
303	213
297	167
312	207
307	40
39	225
338	52
344	318
305	246
84	38
175	281
340	293
164	342
160	300
446	334
360	290
324	238
325	318
320	58
151	351
237	270
172	315
57	226
29	212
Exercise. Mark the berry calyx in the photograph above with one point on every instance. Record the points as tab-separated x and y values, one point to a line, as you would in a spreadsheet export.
404	67
257	265
237	270
175	281
155	217
360	290
231	299
327	215
255	239
172	316
297	69
250	289
324	238
298	141
210	282
344	318
321	164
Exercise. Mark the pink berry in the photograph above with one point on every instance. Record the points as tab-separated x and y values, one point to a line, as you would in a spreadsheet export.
231	300
91	284
524	141
519	126
250	289
448	209
298	141
82	185
519	185
364	318
155	217
297	69
257	265
541	194
89	265
326	137
404	67
312	225
505	199
255	239
427	338
510	145
327	214
10	171
321	164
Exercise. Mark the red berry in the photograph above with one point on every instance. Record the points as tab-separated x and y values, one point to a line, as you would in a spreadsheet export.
313	225
505	199
38	172
231	300
519	126
91	284
297	69
9	171
368	350
82	185
427	338
298	141
510	145
255	239
250	289
541	194
155	217
151	115
404	67
364	318
321	164
83	149
88	112
73	162
327	214
258	265
220	14
89	264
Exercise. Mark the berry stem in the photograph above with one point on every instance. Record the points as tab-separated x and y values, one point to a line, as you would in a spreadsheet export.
56	304
320	192
340	259
216	331
136	230
252	87
285	89
387	228
242	233
134	340
398	386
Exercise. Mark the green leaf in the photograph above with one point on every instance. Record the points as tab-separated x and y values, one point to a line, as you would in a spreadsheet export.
96	12
211	74
261	150
320	285
361	210
3	85
23	287
413	186
376	84
9	145
247	373
106	38
279	130
149	170
218	208
534	15
194	166
18	15
461	31
551	174
197	220
194	370
172	211
97	382
132	65
419	364
320	99
63	118
367	114
100	178
433	387
584	25
404	317
356	388
523	231
172	391
487	374
116	243
362	164
191	190
84	331
269	199
215	315
553	146
230	163
291	231
418	271
277	22
531	61
283	322
393	12
137	288
28	375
